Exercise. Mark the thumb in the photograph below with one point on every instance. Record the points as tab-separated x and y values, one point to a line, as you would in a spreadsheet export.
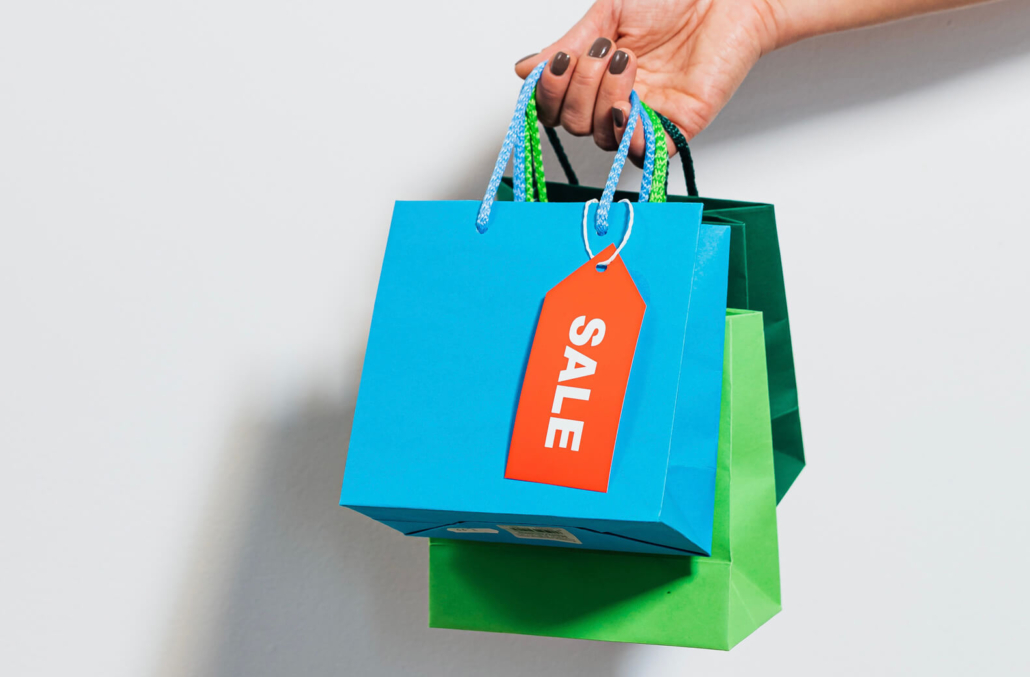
596	23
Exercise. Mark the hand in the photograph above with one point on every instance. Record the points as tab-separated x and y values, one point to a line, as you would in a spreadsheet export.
685	58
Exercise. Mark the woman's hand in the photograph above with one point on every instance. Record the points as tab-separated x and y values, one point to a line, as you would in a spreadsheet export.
685	58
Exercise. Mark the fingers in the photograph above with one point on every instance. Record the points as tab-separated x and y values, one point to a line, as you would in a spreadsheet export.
616	85
578	91
577	111
550	91
587	84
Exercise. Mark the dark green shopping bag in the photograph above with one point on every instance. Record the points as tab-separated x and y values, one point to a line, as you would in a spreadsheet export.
756	283
704	602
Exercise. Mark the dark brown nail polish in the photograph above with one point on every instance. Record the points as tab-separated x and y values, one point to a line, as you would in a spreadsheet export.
528	56
560	63
600	48
618	117
619	62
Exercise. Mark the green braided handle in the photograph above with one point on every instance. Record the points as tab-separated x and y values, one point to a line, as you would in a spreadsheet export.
660	175
533	163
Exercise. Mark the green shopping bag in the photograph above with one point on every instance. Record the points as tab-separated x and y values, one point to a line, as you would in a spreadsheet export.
755	283
705	602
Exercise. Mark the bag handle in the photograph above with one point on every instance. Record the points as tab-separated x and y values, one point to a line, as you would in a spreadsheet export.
636	111
515	141
516	128
661	166
683	148
655	183
680	141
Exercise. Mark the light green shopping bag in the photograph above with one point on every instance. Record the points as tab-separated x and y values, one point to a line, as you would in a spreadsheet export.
706	602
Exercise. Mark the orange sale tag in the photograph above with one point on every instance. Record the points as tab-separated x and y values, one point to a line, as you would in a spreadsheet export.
571	400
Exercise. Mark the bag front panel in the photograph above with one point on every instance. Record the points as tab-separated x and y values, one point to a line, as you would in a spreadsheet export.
453	322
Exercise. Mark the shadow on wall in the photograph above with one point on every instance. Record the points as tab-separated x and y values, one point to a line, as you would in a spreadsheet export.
310	588
285	582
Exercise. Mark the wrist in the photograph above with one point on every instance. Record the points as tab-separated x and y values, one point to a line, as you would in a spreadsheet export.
796	20
792	21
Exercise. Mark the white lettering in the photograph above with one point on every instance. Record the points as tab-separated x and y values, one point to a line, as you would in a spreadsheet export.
579	365
566	427
561	392
594	331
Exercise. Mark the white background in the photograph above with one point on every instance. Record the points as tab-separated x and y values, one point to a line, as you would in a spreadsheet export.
194	202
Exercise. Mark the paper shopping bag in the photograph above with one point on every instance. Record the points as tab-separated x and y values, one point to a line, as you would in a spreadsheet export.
705	602
459	302
755	283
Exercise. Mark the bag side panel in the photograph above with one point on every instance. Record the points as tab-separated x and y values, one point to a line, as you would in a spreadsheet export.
767	293
755	572
695	436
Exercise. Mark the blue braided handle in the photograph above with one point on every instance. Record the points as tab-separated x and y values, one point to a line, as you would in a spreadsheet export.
636	111
516	134
515	139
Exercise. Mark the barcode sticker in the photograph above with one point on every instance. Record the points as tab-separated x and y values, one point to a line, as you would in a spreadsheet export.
472	530
542	533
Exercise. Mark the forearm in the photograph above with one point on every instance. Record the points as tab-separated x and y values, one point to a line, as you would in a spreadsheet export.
800	19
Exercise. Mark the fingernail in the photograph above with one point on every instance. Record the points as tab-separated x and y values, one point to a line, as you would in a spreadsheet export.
528	56
560	63
618	117
619	62
600	48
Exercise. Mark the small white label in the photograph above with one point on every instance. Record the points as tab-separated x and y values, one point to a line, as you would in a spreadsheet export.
542	533
472	530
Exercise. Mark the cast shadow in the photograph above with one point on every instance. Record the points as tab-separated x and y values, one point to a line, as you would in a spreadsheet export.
310	588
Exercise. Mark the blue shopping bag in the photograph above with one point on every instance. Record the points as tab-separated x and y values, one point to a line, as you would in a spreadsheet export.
459	297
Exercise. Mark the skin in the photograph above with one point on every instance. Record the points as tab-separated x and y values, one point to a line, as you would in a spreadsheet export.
686	58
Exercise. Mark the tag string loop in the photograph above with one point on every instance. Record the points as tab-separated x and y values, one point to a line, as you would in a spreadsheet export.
625	238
